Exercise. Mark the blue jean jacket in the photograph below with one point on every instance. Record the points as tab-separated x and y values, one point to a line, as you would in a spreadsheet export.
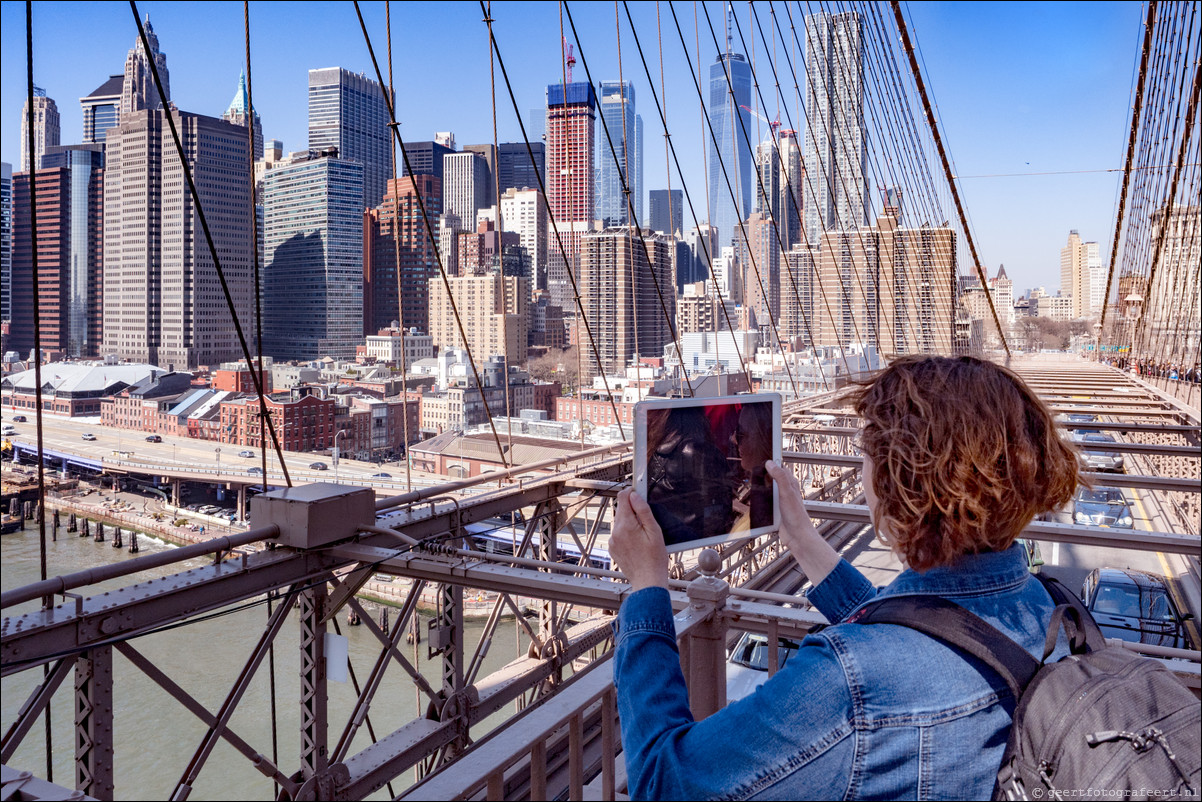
860	712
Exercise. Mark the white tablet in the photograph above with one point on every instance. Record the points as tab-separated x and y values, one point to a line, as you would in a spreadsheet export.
699	463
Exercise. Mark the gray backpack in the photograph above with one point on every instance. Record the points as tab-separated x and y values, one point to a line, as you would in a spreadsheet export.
1102	722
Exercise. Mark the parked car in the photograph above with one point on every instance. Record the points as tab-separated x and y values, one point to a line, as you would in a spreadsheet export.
19	419
1135	606
381	476
747	667
88	436
246	452
1102	506
153	438
1100	460
318	466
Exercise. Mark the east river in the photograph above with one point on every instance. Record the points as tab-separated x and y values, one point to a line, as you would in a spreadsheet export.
155	736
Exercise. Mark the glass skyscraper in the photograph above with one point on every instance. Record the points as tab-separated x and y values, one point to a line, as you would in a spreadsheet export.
625	129
313	238
729	145
348	112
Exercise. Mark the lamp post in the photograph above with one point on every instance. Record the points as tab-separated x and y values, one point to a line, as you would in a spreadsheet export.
217	451
336	460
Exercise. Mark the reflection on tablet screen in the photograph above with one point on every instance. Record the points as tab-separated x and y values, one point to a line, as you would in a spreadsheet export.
704	471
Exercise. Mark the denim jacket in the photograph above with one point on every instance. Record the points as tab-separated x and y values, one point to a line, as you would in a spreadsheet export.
860	712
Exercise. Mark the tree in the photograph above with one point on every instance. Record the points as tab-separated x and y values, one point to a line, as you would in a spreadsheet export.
560	366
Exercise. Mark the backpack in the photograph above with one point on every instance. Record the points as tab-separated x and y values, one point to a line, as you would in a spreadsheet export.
1102	721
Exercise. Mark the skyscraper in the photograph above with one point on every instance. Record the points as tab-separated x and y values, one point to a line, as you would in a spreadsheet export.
417	255
779	187
163	303
101	109
313	243
835	156
424	158
45	128
238	113
523	212
464	186
728	145
619	296
515	169
667	211
1079	262
70	191
349	112
489	154
616	105
138	90
571	144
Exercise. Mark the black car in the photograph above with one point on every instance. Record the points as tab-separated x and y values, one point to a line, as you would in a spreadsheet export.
1135	606
1102	506
318	466
1079	422
381	476
19	419
153	438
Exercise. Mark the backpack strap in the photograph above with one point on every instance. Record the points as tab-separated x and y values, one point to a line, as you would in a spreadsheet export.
1086	626
951	624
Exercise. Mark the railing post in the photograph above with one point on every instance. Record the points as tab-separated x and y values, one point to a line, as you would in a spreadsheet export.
94	723
704	659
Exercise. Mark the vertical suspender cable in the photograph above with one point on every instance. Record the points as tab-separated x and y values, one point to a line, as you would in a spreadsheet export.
947	168
32	173
1149	24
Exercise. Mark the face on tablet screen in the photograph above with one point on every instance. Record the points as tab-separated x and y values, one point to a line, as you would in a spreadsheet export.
700	465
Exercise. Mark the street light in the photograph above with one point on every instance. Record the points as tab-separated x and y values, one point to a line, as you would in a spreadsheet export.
217	451
336	436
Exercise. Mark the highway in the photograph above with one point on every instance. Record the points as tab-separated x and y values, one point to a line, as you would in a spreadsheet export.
202	460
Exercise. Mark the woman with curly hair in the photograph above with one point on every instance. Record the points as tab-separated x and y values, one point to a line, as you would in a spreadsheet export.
959	456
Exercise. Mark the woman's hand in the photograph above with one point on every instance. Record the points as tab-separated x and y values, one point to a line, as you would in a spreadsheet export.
797	532
637	543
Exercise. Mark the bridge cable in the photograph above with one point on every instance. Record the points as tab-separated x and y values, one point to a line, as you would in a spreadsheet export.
623	177
31	141
395	126
195	194
901	25
542	188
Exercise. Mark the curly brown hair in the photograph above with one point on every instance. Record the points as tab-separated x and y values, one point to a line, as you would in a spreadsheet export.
964	456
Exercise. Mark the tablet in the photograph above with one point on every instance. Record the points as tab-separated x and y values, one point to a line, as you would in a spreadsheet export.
699	463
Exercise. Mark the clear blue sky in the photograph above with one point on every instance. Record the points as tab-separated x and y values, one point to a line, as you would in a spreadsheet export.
1020	87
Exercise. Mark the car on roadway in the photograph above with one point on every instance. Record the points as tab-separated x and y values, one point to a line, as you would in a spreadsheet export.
19	419
88	436
153	438
1100	460
246	452
1135	606
318	466
256	471
1079	421
747	666
381	475
1102	506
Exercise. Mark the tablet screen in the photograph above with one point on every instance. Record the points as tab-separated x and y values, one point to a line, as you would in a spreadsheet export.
700	465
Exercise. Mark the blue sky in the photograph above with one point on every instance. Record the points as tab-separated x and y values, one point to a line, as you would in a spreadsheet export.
1020	87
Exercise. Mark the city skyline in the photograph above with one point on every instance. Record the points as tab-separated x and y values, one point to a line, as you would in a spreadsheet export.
1036	104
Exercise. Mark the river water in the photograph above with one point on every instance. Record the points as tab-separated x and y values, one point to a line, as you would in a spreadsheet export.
155	736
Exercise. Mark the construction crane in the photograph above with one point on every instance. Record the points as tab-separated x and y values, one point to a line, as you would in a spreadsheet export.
773	125
569	58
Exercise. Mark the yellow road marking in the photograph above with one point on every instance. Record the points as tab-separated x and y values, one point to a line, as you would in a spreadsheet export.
1191	627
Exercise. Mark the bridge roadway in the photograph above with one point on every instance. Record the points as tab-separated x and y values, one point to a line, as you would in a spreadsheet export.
570	736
